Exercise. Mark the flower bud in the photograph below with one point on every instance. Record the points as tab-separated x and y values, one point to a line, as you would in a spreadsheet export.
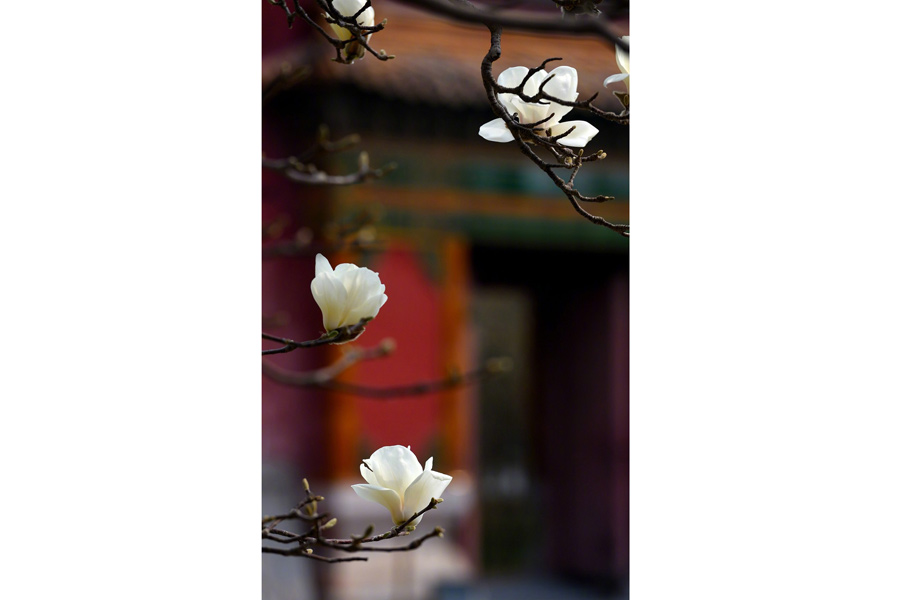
348	8
397	481
346	294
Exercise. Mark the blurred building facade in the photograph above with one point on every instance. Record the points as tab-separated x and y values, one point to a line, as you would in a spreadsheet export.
482	257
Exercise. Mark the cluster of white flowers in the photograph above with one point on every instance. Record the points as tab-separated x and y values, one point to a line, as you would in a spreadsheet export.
563	85
348	294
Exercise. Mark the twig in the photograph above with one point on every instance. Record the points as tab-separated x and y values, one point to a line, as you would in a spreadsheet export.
359	33
528	135
307	510
321	376
541	97
462	10
305	553
296	170
335	336
320	379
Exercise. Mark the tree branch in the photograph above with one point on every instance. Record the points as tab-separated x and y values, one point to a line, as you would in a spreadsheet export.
307	510
335	336
359	33
466	12
323	378
527	135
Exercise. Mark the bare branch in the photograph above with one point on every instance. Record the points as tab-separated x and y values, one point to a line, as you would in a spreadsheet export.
287	77
335	336
353	48
295	170
466	12
319	379
299	169
307	511
542	97
528	135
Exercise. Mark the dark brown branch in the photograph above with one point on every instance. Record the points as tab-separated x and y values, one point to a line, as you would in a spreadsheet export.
335	336
527	135
466	12
359	33
354	544
307	553
321	376
301	172
579	7
287	77
542	97
307	510
299	169
317	379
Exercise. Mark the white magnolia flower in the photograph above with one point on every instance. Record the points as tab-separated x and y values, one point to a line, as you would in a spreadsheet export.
346	294
622	61
348	8
397	481
563	86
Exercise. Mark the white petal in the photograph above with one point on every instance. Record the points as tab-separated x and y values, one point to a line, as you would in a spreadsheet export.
367	18
622	58
496	131
396	467
534	82
582	134
428	463
348	8
531	112
362	285
342	33
322	265
368	474
345	268
615	79
430	484
383	496
331	296
563	84
512	76
366	309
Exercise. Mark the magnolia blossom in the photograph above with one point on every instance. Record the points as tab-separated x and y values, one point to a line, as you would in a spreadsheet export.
348	8
346	294
622	62
563	86
397	481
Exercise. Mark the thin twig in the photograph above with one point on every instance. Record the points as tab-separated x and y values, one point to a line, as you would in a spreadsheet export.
301	172
462	10
307	511
335	336
321	376
359	33
320	379
528	135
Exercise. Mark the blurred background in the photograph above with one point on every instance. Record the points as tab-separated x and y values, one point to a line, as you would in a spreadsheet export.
482	257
